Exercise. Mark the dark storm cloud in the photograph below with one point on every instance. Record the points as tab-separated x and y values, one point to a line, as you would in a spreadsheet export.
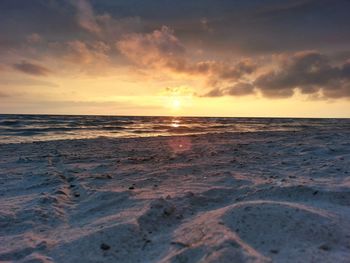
31	68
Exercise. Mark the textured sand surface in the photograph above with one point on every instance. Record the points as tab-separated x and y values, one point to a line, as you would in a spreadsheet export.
253	197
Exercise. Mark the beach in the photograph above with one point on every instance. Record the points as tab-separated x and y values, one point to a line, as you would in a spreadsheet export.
174	131
271	196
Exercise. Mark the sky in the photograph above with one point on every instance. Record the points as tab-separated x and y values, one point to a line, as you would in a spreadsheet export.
238	58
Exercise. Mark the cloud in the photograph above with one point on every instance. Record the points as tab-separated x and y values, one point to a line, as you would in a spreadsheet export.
215	92
162	50
87	53
86	16
310	72
31	104
113	28
241	89
219	71
4	95
90	36
34	38
18	82
31	68
297	24
205	24
182	91
87	57
157	48
237	89
104	26
285	8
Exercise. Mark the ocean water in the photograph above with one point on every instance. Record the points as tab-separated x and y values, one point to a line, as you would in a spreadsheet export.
30	128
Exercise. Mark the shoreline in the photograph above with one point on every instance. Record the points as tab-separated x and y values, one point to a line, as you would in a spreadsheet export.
148	137
212	133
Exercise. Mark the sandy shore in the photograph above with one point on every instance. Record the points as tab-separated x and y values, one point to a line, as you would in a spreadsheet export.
253	197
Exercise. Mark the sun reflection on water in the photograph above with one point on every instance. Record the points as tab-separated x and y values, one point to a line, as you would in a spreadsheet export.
175	123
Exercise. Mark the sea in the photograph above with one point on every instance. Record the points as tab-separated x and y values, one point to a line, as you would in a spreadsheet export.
32	128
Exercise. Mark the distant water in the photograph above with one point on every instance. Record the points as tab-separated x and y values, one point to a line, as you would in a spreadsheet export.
29	128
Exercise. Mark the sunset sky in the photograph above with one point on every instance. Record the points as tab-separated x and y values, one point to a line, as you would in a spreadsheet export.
166	57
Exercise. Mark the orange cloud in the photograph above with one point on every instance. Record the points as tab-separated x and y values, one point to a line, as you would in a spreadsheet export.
163	50
156	48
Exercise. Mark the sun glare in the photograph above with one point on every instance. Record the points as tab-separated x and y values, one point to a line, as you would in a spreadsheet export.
175	123
176	104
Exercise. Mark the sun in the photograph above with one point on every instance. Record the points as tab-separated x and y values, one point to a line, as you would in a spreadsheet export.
175	104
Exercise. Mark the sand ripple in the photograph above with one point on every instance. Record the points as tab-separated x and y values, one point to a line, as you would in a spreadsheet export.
259	197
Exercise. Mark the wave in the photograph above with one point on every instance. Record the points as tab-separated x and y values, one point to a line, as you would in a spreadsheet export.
17	128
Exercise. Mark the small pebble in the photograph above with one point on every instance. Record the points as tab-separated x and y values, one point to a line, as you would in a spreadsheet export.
104	246
324	247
